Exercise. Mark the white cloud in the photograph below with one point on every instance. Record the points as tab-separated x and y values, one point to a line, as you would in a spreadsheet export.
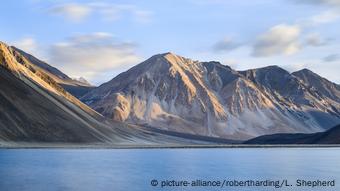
325	17
105	11
73	11
31	46
287	39
92	54
26	44
279	40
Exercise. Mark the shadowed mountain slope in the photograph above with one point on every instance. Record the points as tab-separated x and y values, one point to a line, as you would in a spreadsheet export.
331	136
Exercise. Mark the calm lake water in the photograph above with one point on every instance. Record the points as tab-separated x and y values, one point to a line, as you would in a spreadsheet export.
133	169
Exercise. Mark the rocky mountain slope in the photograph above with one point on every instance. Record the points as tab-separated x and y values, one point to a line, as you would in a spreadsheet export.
316	106
77	87
174	93
331	136
319	84
35	108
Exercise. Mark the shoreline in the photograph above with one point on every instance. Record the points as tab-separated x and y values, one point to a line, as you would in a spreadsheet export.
223	146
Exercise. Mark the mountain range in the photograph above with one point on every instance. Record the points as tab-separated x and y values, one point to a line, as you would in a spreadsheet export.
167	99
174	93
35	108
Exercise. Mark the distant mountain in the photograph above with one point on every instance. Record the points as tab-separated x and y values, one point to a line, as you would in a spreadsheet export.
307	97
174	93
322	85
331	136
77	87
82	80
35	108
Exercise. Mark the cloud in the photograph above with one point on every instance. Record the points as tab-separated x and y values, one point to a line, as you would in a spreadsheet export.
74	12
106	11
331	58
279	40
225	45
325	17
315	40
27	44
90	55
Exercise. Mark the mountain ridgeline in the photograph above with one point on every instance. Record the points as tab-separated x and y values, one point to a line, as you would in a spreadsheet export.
77	87
174	93
331	136
166	99
35	108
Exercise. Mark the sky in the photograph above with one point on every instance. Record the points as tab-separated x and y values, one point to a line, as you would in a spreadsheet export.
99	39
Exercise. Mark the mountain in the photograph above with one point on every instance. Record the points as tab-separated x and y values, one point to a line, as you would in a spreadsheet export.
82	80
35	108
302	93
170	98
77	87
331	136
174	93
329	89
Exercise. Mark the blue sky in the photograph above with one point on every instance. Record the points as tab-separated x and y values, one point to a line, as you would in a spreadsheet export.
99	39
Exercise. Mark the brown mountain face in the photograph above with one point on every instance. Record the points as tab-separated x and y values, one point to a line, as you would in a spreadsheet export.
174	93
35	108
76	87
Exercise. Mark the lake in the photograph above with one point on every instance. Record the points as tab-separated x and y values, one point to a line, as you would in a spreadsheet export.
150	169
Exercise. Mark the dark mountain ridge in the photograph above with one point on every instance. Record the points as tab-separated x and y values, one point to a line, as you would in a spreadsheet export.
331	136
